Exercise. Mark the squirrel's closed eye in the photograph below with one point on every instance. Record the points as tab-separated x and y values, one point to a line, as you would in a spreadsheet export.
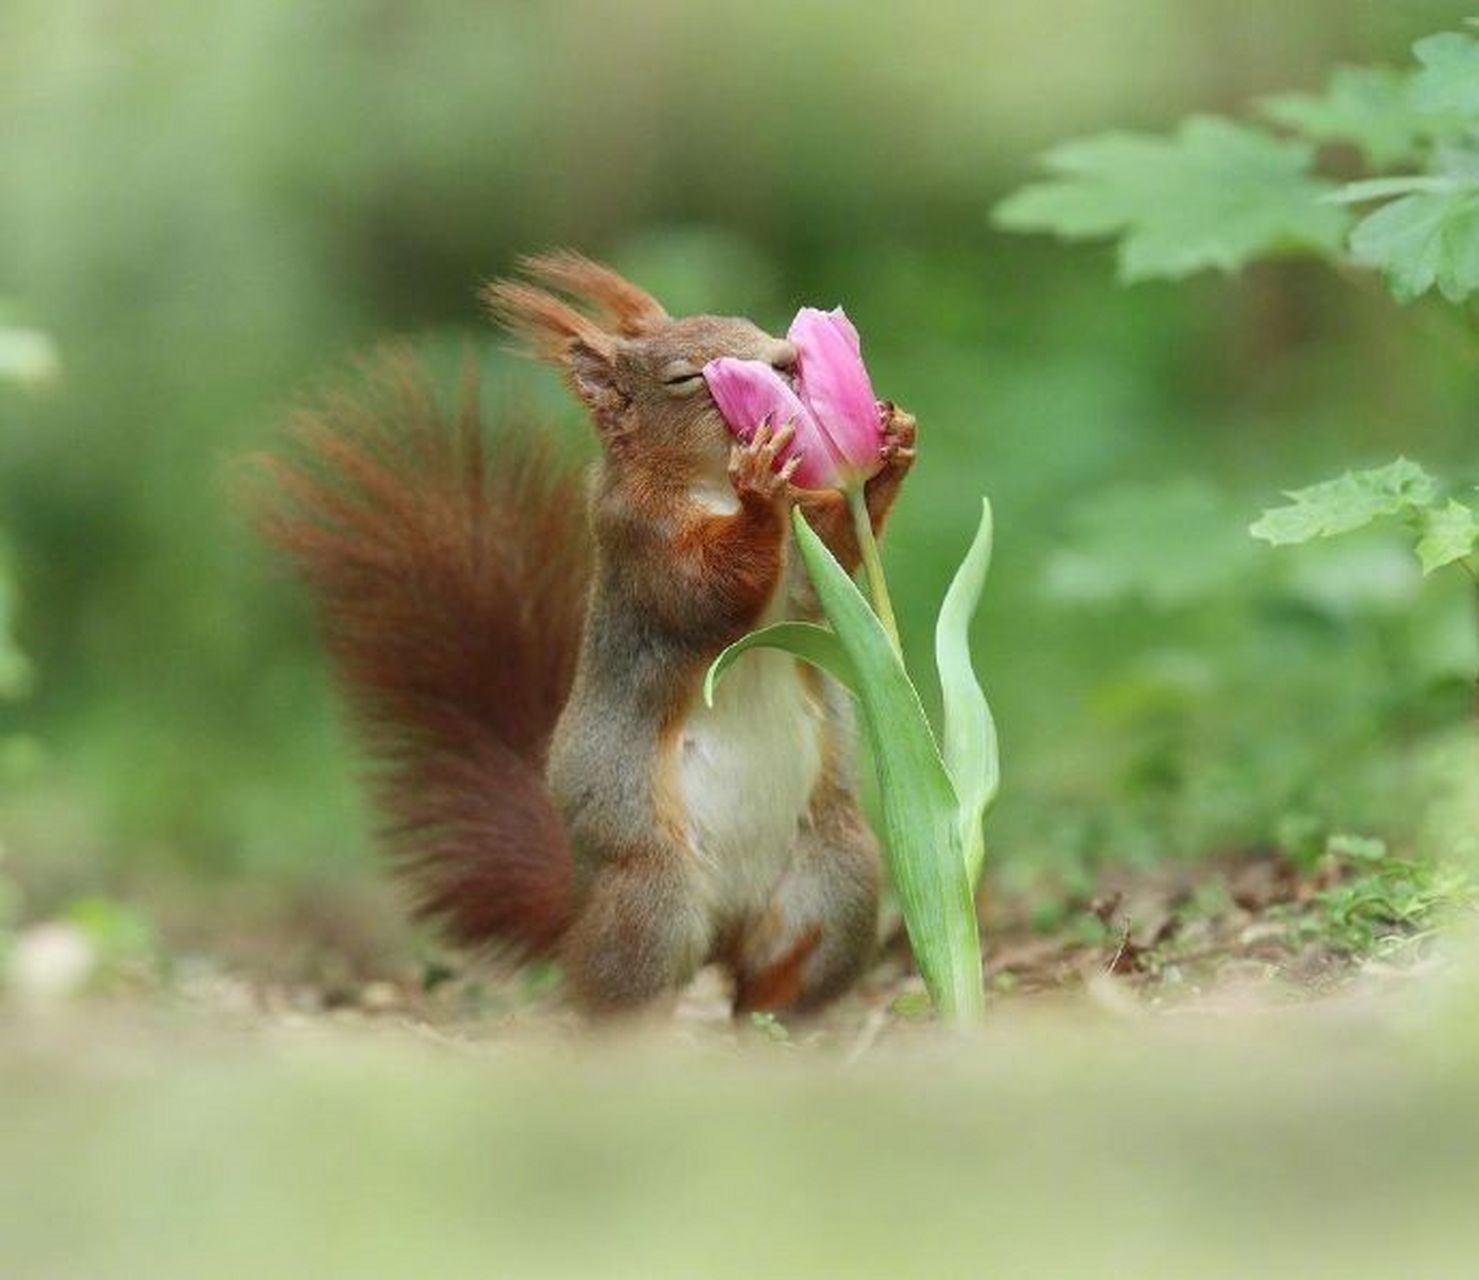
682	379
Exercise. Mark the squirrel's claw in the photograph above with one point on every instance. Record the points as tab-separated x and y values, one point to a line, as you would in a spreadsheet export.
753	467
899	431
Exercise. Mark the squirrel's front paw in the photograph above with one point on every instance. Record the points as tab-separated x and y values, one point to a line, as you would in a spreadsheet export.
752	466
898	429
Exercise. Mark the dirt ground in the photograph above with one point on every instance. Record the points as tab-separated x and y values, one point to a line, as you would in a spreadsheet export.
1247	926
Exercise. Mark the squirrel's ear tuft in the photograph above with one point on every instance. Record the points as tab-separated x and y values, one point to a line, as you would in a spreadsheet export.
541	320
626	309
556	332
583	346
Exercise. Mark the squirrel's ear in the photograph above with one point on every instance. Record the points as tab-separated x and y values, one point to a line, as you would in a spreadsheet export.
591	372
555	331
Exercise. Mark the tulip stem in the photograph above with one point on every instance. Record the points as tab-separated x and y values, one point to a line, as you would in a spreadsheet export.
873	565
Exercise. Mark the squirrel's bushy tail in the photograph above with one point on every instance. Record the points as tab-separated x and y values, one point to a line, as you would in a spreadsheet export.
450	582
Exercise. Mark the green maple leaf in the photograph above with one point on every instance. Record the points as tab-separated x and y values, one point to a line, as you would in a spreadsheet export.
1448	83
1426	238
1349	502
1449	533
1369	107
1215	195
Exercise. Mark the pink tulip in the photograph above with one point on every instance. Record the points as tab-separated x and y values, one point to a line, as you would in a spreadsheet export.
750	392
837	419
833	382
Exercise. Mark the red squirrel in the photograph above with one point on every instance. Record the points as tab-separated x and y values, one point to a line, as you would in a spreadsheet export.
524	654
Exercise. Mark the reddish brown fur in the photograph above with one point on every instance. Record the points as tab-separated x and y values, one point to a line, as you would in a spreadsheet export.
733	560
779	986
451	595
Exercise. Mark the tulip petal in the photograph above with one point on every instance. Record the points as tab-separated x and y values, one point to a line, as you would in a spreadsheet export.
833	382
849	330
750	392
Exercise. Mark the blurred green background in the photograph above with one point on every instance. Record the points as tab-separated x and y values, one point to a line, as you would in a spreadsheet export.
212	209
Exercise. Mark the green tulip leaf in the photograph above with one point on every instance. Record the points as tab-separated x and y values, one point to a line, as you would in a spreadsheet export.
968	734
920	810
805	640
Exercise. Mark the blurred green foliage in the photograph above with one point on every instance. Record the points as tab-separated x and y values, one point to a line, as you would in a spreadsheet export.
1218	194
214	209
1223	194
1446	531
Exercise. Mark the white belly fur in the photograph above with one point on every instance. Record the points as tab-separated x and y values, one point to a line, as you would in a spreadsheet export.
748	767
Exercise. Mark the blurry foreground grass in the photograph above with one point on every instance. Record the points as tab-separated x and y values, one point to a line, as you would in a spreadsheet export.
1084	1138
1146	1117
